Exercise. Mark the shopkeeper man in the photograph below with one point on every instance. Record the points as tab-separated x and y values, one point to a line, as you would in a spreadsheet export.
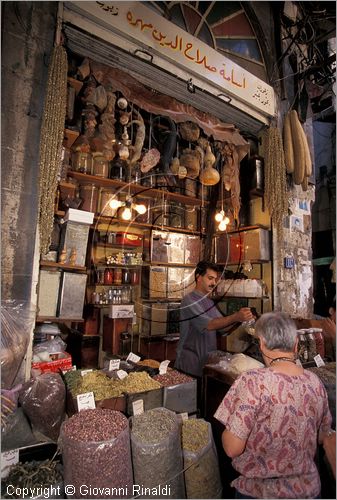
200	320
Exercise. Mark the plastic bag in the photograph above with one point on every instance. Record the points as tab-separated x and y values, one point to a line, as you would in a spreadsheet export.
202	476
95	448
41	351
43	401
9	403
157	455
16	324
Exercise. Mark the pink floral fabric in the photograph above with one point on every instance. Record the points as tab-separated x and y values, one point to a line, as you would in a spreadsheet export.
279	416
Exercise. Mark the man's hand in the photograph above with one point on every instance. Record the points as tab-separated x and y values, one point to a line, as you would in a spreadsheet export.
244	314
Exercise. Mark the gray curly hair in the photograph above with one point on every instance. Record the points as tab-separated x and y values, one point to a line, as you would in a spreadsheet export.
278	331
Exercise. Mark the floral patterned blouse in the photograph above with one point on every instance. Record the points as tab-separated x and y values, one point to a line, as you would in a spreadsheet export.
279	415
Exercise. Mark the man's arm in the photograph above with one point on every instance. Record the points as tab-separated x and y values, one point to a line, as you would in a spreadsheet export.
244	314
232	444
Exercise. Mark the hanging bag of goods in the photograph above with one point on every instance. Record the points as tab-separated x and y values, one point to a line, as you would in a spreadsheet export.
43	400
202	476
156	455
96	454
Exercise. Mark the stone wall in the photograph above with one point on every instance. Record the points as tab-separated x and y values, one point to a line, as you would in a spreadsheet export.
27	40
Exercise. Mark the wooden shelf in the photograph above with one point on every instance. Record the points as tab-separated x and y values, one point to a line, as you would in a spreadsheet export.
123	266
135	188
95	285
66	267
244	228
241	263
53	319
168	264
118	246
108	305
142	225
226	296
60	213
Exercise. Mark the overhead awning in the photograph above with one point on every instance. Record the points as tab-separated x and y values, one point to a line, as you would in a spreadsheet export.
139	64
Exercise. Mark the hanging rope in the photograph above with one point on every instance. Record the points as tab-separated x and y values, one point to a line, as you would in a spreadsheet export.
51	142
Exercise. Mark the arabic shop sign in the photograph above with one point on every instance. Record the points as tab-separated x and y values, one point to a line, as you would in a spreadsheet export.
163	37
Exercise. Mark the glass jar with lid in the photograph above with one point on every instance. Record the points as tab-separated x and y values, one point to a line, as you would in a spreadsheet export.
176	218
100	166
89	195
82	162
106	195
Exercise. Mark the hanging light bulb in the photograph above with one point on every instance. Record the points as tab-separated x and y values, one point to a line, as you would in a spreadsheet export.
222	226
115	203
141	209
219	216
226	220
127	213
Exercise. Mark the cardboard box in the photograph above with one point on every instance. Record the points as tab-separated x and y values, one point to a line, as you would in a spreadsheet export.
129	239
257	245
61	362
121	311
181	398
74	236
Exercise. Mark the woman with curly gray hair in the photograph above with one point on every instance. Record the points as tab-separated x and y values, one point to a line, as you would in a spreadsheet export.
274	417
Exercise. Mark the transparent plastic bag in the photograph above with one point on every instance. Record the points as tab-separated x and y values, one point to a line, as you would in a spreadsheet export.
9	404
157	455
16	323
41	351
202	475
95	447
43	401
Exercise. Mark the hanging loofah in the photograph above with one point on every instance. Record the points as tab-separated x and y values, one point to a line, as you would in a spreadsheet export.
51	138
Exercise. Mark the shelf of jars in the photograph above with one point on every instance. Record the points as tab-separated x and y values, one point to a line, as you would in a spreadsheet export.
113	221
134	188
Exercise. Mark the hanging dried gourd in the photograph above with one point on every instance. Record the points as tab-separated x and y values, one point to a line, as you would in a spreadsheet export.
298	147
209	176
288	145
190	160
136	149
275	178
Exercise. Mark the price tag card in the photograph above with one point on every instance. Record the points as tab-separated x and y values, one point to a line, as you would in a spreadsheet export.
138	407
183	416
114	364
133	357
84	372
121	374
319	361
163	367
73	368
298	362
86	401
8	458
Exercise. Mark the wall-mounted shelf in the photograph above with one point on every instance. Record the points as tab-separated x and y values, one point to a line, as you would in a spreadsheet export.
53	319
118	246
134	188
66	267
113	221
244	228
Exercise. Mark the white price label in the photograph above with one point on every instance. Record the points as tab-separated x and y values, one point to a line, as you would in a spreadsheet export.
319	361
133	357
163	367
138	407
73	368
114	364
86	401
121	374
8	458
84	372
183	416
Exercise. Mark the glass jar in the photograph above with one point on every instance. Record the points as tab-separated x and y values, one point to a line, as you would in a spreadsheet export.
108	276
134	276
100	166
319	338
126	277
302	348
89	195
118	275
104	207
176	215
191	187
100	277
159	217
82	162
118	169
136	174
191	218
149	179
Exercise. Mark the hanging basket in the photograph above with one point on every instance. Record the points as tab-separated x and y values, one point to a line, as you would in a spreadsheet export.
189	131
